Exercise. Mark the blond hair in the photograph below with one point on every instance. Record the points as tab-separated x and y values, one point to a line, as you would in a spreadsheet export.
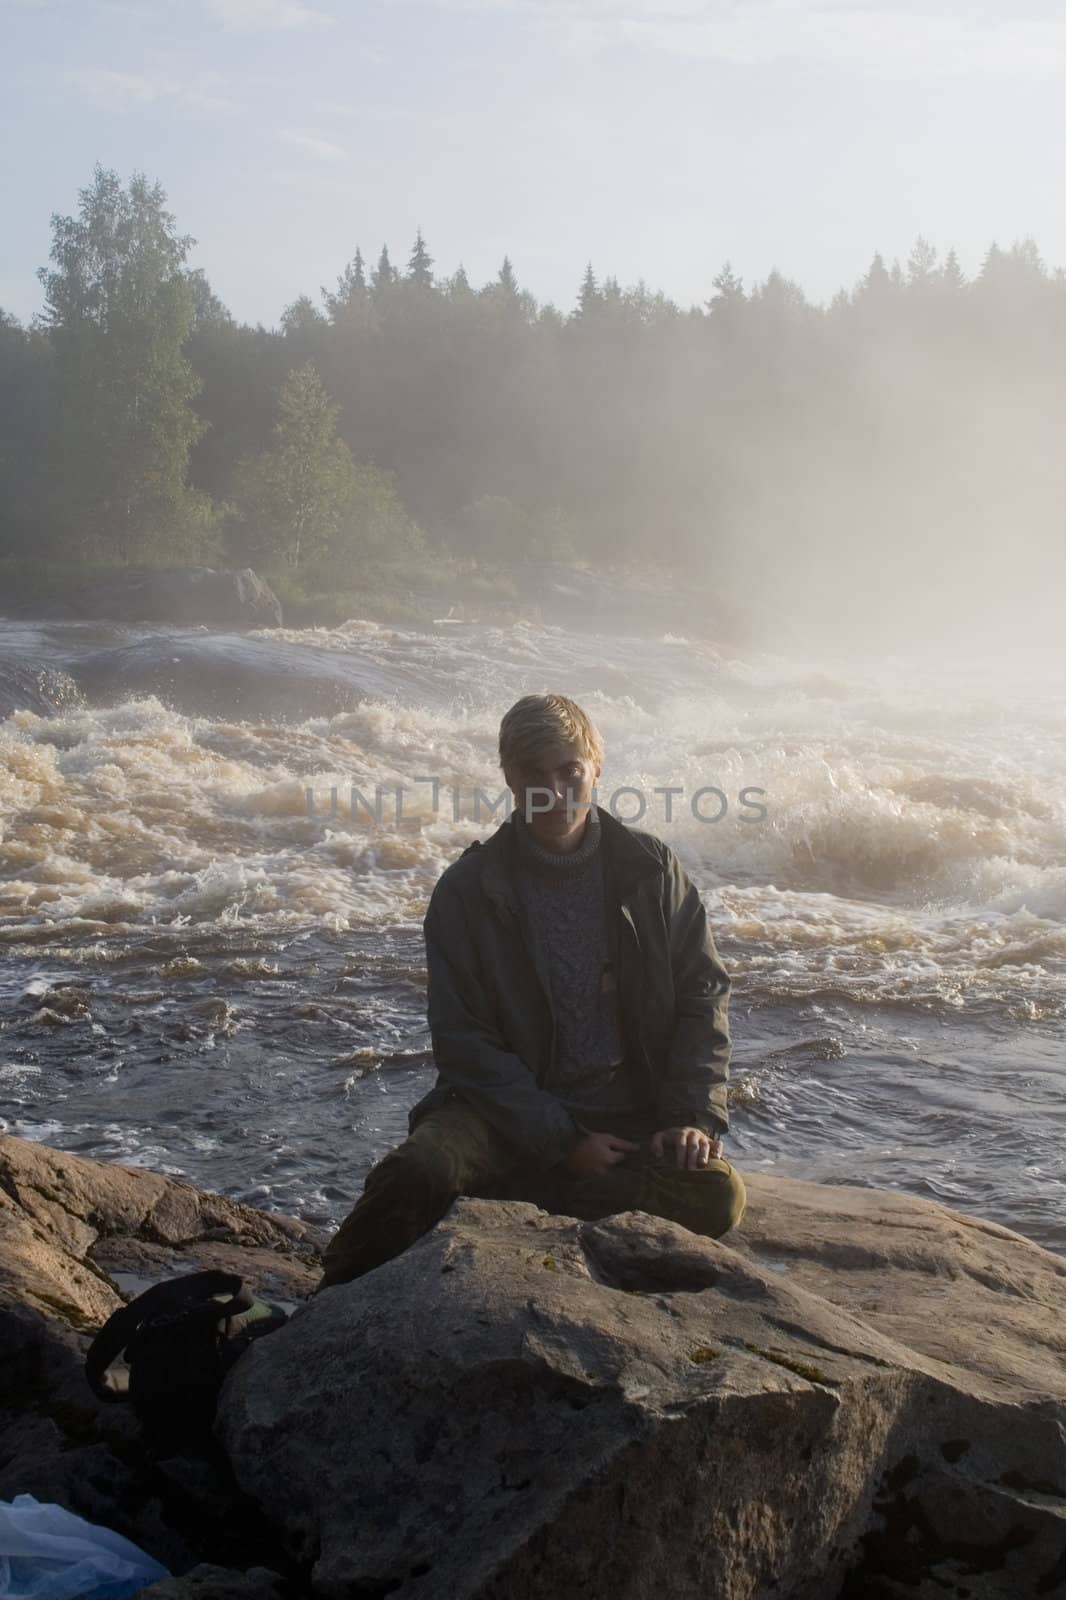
538	721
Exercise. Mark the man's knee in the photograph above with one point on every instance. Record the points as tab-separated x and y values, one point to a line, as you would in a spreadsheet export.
730	1200
710	1201
417	1167
405	1193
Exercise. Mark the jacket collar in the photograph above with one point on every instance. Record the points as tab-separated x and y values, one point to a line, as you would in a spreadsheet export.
628	858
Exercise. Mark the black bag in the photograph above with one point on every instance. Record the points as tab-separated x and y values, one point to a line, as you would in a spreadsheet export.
178	1340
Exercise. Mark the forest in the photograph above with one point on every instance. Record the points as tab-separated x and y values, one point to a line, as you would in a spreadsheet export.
404	420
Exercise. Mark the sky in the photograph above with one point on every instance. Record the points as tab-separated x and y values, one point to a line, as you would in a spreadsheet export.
656	138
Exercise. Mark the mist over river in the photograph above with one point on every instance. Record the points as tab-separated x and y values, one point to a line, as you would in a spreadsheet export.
202	975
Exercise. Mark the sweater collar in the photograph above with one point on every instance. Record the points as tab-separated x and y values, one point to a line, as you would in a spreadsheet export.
557	864
627	857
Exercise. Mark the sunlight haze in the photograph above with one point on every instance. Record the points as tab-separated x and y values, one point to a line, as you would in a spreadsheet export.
655	137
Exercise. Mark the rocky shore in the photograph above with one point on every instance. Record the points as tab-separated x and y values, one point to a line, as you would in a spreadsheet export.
642	601
859	1394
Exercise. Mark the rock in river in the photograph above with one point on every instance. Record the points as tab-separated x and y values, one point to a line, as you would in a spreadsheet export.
218	599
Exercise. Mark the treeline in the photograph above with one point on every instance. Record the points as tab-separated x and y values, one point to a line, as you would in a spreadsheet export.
405	415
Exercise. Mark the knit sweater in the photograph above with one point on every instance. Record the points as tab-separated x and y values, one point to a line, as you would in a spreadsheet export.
564	898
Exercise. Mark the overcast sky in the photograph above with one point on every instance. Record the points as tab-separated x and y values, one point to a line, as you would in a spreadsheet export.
656	137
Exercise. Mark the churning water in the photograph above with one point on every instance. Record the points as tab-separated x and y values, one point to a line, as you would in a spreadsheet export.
208	972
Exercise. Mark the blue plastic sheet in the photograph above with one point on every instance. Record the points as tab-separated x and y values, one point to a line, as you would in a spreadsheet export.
47	1553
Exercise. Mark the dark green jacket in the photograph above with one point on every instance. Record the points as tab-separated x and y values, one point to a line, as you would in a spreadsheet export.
489	1001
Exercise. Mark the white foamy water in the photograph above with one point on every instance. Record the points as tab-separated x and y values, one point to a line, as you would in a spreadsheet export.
911	858
914	836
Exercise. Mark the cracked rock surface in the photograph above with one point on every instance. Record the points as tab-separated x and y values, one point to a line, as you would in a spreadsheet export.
859	1394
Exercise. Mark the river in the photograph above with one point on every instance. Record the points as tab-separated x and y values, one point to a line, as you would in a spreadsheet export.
212	965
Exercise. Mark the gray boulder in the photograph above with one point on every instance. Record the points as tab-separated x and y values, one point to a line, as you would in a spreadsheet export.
188	595
861	1394
68	1223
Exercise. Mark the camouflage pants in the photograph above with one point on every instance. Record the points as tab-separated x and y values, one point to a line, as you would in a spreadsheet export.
453	1151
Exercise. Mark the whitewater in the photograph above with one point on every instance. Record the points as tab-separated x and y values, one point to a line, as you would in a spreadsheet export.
212	968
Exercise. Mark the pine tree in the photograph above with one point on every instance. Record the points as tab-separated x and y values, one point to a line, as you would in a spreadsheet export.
1026	261
589	298
420	266
993	266
506	279
384	274
921	264
612	294
348	301
728	292
877	283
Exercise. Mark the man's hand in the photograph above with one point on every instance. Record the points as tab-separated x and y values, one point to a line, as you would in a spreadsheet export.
596	1154
692	1147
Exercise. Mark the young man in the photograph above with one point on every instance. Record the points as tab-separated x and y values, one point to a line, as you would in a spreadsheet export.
578	1013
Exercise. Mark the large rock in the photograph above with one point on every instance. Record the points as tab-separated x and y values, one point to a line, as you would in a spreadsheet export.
71	1232
219	599
860	1394
67	1224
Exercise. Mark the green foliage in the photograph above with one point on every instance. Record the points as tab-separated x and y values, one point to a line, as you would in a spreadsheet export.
349	306
119	308
491	529
373	528
291	500
741	443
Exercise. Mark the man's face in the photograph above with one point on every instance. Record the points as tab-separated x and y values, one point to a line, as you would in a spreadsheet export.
560	779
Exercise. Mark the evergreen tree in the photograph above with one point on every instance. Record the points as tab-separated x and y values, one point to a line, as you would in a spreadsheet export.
384	274
292	499
1026	261
993	267
728	293
877	282
348	303
420	266
119	308
921	264
458	288
589	298
613	298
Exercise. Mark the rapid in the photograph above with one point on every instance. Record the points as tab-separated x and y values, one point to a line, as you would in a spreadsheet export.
212	963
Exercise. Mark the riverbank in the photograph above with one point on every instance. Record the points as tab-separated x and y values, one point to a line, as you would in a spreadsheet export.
641	600
855	1393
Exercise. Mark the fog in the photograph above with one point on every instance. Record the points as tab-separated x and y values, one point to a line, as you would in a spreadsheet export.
884	471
